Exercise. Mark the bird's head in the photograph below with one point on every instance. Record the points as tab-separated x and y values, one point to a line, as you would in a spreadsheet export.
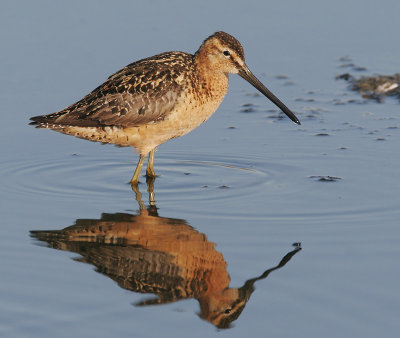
223	53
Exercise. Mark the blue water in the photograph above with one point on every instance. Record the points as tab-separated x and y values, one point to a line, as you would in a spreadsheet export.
246	181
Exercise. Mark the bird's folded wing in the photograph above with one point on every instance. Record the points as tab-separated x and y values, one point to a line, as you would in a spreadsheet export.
141	93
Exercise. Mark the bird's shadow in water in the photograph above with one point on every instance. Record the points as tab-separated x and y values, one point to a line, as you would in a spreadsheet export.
147	253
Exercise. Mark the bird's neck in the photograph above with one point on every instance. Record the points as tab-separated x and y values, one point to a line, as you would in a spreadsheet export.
212	80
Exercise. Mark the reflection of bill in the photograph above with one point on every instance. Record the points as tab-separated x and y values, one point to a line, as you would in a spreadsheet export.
167	257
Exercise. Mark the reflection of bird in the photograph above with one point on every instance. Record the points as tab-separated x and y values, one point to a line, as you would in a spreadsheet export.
155	99
165	256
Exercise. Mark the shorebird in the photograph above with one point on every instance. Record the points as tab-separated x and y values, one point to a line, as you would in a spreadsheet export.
153	100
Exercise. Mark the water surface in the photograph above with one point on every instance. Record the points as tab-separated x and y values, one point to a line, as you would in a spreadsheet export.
241	189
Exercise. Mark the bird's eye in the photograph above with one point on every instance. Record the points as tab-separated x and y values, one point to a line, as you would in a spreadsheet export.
226	53
227	311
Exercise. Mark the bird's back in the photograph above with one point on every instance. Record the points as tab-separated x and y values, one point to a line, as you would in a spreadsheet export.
143	92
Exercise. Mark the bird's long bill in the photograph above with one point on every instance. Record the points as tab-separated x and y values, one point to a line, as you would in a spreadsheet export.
246	74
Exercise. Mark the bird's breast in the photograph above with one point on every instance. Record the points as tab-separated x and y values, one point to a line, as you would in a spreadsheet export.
194	106
198	101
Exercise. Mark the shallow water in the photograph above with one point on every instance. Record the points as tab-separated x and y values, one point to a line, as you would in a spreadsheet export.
231	197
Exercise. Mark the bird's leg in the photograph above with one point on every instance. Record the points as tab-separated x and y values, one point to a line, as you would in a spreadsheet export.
150	165
135	177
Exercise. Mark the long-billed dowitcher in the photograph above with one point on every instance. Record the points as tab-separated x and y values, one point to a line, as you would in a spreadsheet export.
158	98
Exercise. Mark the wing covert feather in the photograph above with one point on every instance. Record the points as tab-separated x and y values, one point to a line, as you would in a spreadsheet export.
140	93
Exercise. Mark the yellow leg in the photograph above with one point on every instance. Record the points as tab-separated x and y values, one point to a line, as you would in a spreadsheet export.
150	164
135	177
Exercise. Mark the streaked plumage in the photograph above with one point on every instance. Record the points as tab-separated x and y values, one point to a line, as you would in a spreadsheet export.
158	98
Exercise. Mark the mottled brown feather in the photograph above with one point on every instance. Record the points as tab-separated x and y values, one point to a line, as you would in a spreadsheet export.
142	92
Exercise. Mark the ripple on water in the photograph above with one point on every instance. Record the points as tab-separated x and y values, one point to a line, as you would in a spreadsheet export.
212	177
65	177
182	176
278	190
